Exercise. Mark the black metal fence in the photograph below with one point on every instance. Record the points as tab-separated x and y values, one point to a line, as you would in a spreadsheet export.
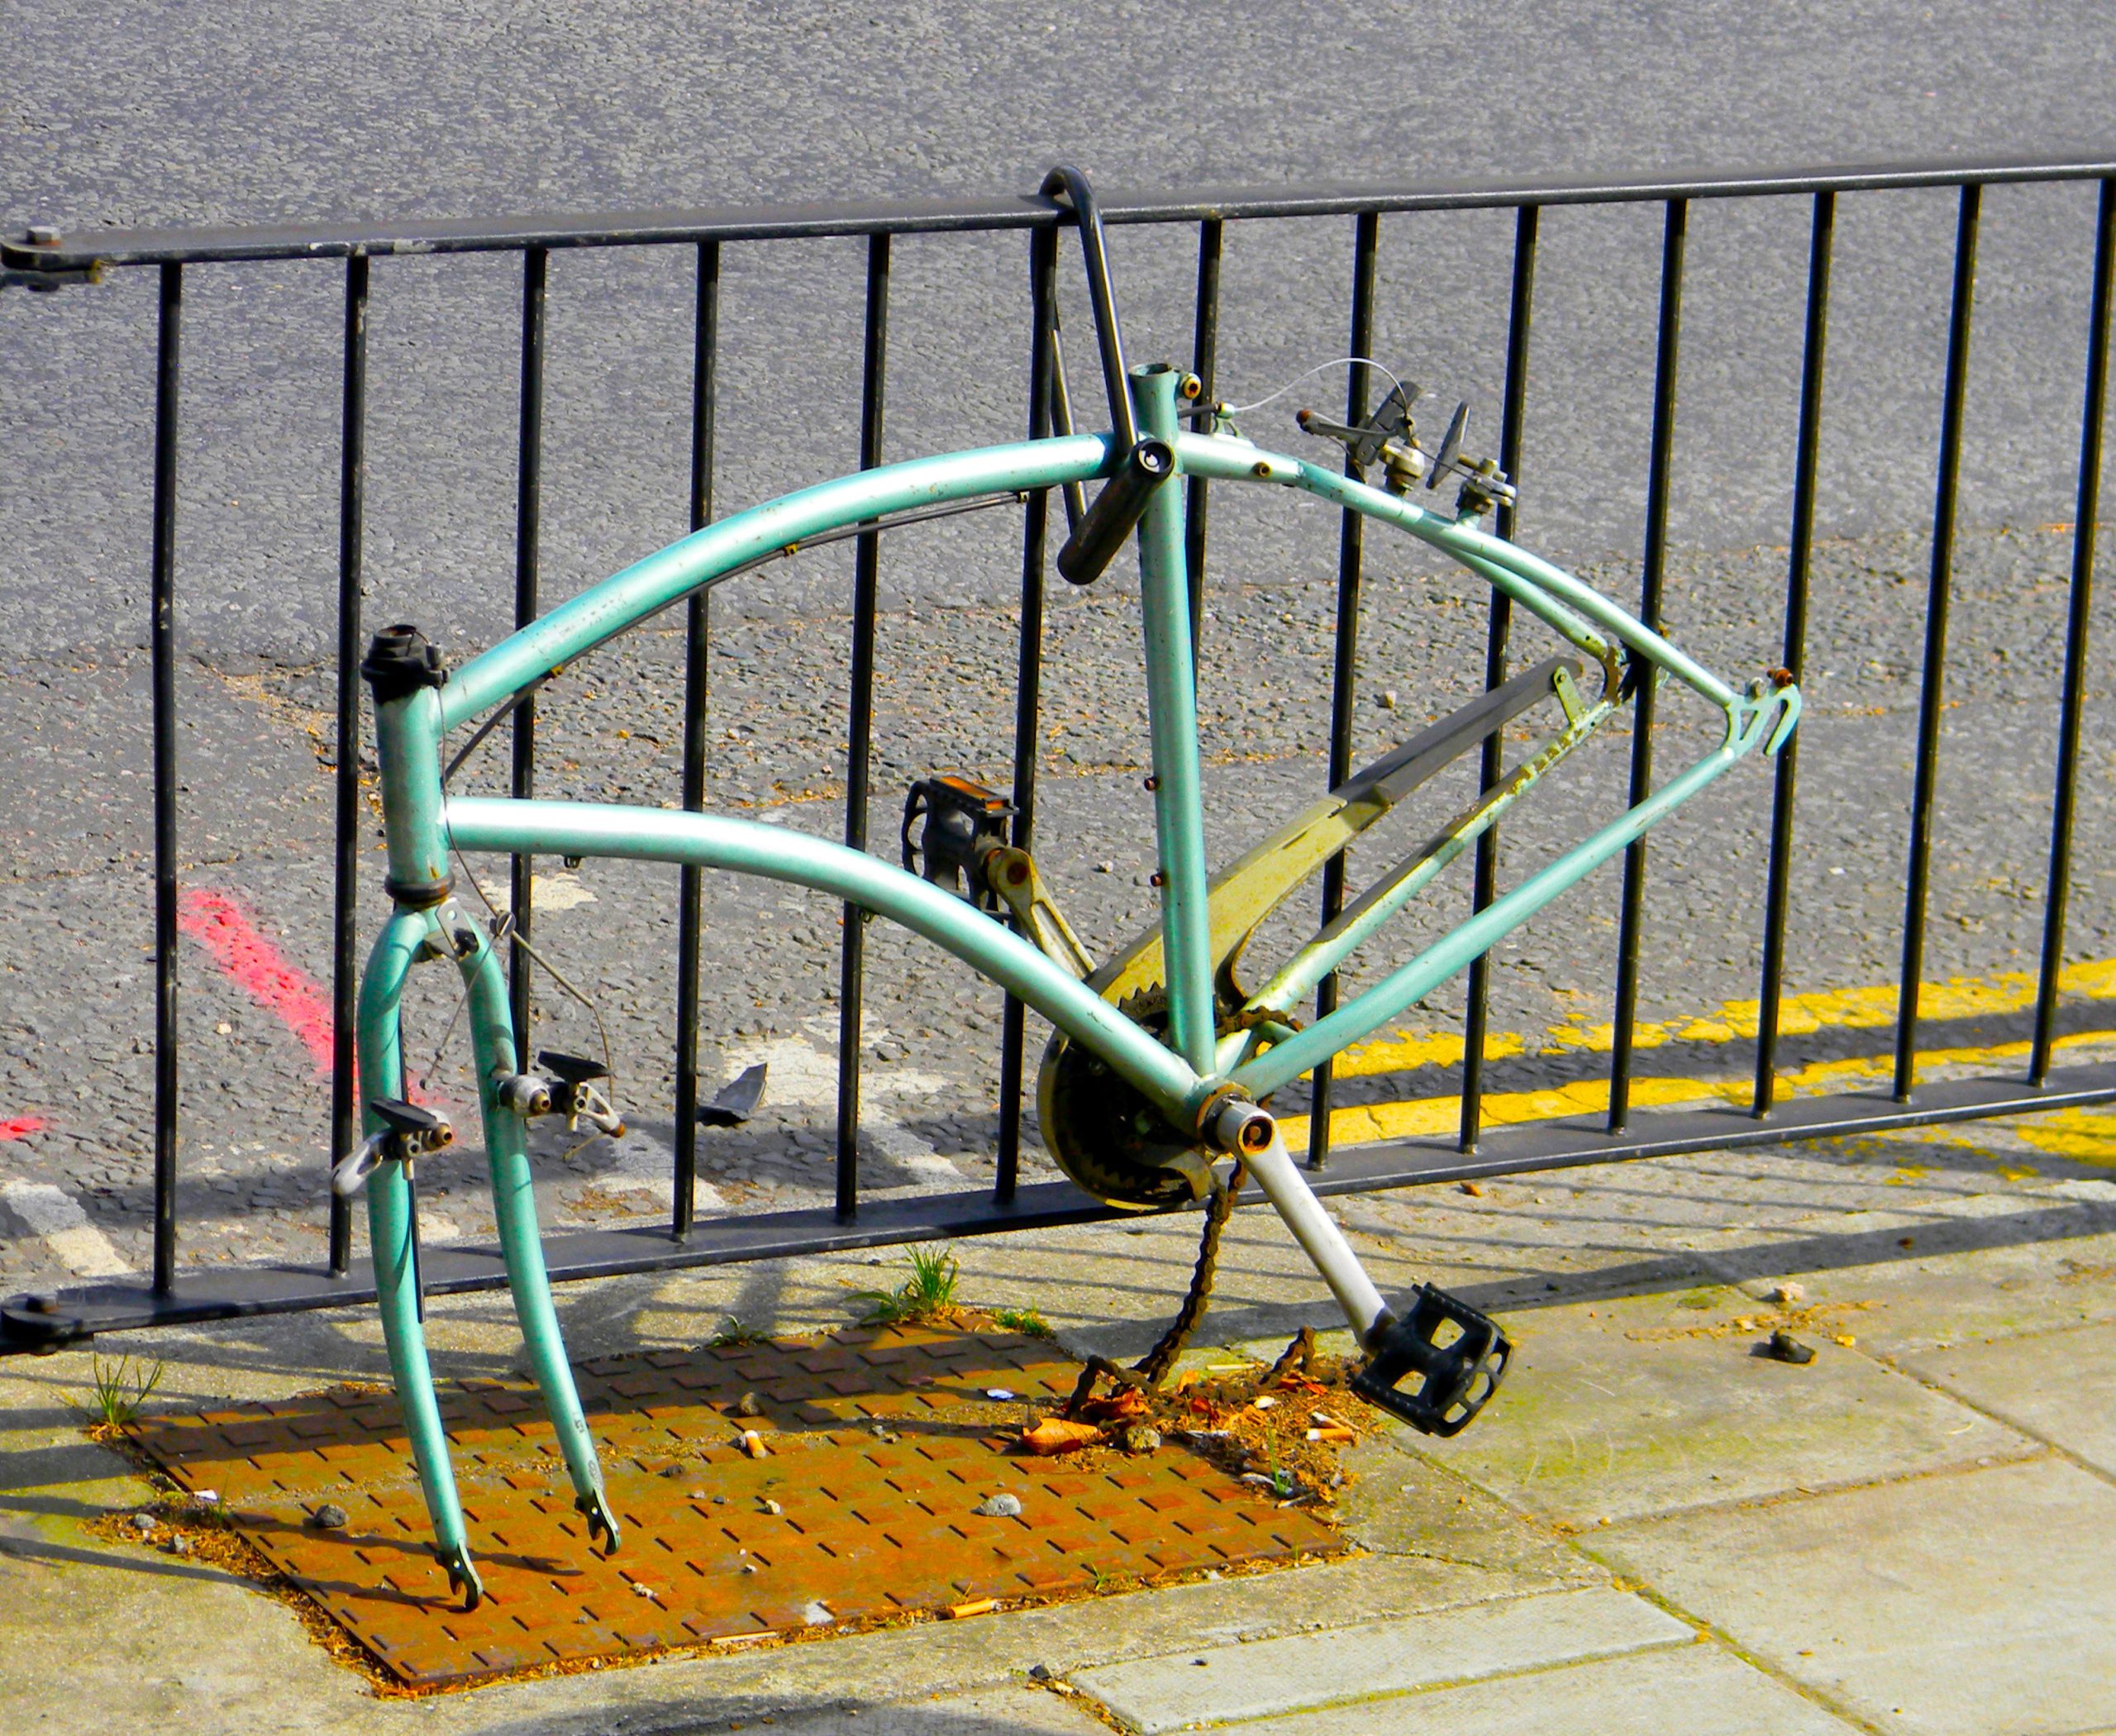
51	261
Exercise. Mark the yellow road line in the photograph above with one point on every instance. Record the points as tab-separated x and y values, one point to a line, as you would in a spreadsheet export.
1427	1118
1800	1015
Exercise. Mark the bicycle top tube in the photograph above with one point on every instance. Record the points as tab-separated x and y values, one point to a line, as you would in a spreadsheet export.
623	600
1569	606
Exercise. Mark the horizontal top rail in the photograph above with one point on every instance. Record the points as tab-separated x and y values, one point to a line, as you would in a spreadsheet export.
670	225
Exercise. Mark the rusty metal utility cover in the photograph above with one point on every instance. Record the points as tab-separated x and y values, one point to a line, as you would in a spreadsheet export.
881	1444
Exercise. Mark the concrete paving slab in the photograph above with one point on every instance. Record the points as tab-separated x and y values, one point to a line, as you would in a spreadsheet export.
1649	1405
1016	1709
2059	1386
1222	1685
1697	1690
1699	1203
2061	1272
1948	1605
1398	1502
1511	1246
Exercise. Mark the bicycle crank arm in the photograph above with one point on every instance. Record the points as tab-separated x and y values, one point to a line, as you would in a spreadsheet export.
1456	1376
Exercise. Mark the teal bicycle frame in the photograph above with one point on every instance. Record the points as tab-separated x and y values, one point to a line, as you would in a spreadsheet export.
1188	1080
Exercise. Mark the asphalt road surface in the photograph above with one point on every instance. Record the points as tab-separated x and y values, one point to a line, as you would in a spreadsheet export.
237	114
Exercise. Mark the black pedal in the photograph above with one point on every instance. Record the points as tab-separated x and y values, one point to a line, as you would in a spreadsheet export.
1456	1379
960	818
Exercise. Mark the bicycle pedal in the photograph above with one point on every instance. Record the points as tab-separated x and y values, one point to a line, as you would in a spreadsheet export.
961	820
1456	1379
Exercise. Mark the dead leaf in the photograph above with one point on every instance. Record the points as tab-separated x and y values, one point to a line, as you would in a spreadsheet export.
1121	1406
1054	1435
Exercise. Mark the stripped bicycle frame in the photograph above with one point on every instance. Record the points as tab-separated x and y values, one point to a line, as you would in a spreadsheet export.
1194	1086
1204	1086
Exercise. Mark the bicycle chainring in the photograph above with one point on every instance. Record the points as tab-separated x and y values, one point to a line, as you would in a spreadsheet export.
1104	1132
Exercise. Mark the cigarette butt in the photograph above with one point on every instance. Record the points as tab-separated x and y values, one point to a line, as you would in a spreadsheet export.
975	1606
1323	1420
753	1444
1334	1433
727	1641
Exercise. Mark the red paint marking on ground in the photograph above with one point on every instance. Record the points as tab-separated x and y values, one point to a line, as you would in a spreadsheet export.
253	964
20	1127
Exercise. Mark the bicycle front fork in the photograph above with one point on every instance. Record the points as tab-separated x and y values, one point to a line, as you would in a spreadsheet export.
385	1165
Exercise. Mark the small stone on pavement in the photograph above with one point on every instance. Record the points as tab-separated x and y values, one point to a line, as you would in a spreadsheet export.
1782	1346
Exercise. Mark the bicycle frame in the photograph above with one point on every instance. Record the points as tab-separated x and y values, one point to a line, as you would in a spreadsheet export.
1184	1079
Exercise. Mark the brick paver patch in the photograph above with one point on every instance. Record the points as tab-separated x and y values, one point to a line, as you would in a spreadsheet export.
880	1444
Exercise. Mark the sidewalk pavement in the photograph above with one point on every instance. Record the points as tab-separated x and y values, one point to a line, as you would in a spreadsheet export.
1651	1529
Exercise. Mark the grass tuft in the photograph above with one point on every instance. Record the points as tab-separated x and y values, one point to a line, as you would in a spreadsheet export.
121	1389
1026	1321
930	1289
732	1331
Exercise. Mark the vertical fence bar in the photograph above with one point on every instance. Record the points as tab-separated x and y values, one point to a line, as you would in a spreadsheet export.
1660	463
1932	677
528	524
690	881
1500	625
162	658
1366	246
865	589
1778	889
345	966
1204	363
1029	686
2074	694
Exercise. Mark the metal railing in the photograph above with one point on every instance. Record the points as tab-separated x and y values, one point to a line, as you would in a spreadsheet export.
48	260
